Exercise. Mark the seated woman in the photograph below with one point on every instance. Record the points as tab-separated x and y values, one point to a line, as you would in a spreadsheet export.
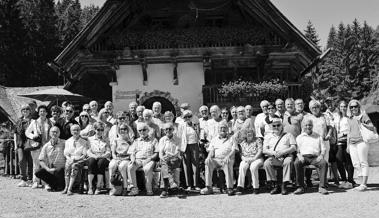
52	162
251	155
86	125
121	157
99	152
75	152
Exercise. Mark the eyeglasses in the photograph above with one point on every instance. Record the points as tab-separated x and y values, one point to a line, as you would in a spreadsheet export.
86	109
278	125
123	129
106	112
168	129
142	130
100	130
224	112
69	111
353	106
187	117
271	108
122	118
84	116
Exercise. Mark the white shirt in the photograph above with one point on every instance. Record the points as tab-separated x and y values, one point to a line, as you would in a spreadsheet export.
75	148
212	129
285	142
222	146
310	144
259	123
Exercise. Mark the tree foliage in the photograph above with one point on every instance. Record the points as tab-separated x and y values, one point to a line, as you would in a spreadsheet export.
350	70
32	33
311	33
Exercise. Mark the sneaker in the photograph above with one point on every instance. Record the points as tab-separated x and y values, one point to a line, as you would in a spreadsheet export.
255	191
197	189
164	194
97	191
90	191
239	190
35	185
47	188
342	184
348	185
23	184
133	192
323	191
189	189
299	191
361	188
206	191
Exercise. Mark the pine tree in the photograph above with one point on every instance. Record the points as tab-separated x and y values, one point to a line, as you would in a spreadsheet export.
332	38
72	24
311	33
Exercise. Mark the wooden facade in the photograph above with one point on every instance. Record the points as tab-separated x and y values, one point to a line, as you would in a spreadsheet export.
248	39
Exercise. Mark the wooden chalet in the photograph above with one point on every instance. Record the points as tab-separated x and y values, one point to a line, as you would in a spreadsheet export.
171	51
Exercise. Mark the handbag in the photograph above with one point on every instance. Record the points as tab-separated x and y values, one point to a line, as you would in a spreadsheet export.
117	179
33	144
370	137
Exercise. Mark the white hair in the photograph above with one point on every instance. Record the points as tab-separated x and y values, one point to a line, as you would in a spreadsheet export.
147	112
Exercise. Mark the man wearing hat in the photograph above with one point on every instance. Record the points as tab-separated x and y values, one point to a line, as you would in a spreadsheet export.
183	107
278	146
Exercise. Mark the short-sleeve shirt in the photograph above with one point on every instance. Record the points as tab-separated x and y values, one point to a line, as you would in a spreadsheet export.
292	123
222	146
285	142
320	124
52	154
120	146
212	129
76	148
252	148
98	146
169	146
259	123
310	144
144	148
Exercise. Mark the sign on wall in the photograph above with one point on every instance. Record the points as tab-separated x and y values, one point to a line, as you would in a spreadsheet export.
127	94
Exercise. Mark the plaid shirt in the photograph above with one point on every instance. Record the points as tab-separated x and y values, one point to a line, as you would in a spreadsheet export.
52	154
144	148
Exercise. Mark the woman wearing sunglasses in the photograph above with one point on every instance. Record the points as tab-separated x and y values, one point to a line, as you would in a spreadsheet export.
120	156
86	125
190	146
357	147
122	117
103	118
99	152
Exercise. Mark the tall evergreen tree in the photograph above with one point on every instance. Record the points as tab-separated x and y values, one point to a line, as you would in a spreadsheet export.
311	33
332	38
72	24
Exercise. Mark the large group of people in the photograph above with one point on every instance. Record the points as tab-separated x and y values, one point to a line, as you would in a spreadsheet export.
103	149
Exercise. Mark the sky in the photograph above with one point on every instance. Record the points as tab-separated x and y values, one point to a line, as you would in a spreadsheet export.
322	13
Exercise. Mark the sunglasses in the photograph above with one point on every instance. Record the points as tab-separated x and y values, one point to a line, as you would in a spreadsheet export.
122	118
142	130
168	129
100	130
69	111
353	106
84	116
86	109
187	117
270	108
278	125
123	129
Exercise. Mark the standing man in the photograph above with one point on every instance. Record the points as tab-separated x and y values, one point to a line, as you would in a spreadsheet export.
250	119
133	113
157	115
183	107
292	119
278	147
259	122
33	110
299	106
94	109
65	124
310	151
280	109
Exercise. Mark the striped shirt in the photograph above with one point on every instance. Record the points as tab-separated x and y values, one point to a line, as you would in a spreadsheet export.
52	154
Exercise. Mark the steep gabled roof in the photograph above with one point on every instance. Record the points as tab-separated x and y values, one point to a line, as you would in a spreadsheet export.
115	11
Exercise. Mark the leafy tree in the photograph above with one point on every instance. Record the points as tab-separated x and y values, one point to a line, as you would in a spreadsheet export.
88	13
311	33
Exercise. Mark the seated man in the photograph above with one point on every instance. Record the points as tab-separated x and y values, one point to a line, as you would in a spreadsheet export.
170	157
143	154
221	155
310	151
278	146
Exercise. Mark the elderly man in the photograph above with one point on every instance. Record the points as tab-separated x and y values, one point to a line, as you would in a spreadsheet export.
170	157
133	113
94	109
250	119
278	146
280	109
310	151
143	154
299	107
221	155
183	107
52	162
65	124
139	113
204	113
157	115
212	124
155	130
292	119
109	107
259	122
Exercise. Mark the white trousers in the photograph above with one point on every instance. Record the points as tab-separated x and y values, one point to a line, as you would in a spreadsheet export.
359	157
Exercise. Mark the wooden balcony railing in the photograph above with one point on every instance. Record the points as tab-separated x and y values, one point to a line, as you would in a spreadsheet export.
212	96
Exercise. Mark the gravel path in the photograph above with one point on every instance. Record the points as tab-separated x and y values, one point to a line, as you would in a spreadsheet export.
25	202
